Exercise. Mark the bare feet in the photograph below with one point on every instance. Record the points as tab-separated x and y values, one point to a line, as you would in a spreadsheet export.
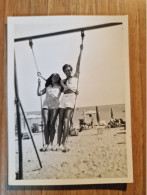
56	147
65	149
44	149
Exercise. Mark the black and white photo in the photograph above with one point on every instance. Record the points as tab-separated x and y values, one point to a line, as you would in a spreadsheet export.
68	97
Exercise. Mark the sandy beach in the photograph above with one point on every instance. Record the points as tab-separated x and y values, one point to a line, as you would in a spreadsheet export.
93	154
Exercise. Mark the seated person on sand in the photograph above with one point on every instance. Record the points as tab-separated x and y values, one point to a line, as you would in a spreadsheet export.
116	122
112	122
122	123
82	125
92	119
112	119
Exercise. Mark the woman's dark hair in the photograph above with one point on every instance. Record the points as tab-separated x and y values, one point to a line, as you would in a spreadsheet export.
66	66
49	81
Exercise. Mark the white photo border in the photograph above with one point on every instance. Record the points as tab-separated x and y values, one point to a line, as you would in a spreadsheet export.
12	21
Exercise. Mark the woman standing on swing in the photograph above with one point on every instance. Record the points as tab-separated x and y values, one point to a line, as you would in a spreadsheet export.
53	91
67	103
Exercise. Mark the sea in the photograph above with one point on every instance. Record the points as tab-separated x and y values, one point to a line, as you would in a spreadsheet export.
103	110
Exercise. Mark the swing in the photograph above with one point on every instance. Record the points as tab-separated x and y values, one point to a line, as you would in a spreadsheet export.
40	75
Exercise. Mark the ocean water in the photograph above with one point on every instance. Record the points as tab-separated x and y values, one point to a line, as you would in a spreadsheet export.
104	113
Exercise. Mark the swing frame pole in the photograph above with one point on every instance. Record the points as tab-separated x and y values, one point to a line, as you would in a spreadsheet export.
68	31
18	107
19	175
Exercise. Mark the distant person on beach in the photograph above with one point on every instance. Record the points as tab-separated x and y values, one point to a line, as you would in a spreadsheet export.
53	91
112	119
67	103
92	119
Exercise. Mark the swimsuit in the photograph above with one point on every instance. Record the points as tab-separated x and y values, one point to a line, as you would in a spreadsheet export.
52	97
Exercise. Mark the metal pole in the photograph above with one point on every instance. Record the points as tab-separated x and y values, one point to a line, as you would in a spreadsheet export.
68	31
97	115
30	134
18	103
20	160
111	113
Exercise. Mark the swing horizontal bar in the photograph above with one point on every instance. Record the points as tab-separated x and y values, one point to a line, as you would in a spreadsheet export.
67	31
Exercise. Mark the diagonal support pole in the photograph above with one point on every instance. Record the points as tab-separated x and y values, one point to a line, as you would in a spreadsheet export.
30	134
19	105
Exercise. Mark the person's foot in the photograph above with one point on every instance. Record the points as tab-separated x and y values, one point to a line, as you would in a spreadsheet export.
52	148
56	147
61	147
44	149
65	149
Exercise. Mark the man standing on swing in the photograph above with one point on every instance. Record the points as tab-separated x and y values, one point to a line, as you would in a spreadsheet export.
67	104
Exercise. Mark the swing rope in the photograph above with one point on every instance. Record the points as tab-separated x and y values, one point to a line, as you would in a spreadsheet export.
38	72
42	126
39	75
82	37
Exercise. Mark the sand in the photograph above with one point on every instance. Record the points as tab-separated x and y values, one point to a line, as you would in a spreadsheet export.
93	154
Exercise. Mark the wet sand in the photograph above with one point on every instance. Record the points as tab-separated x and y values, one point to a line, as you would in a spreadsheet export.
93	154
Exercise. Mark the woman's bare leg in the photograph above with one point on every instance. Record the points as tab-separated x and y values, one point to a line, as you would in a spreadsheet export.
71	121
60	127
45	113
53	118
67	118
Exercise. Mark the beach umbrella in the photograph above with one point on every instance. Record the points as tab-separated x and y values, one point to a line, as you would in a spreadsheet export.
84	116
97	115
111	113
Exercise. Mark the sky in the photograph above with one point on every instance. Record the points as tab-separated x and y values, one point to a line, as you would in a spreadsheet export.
102	78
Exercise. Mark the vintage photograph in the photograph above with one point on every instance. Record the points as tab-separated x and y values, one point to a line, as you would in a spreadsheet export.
68	100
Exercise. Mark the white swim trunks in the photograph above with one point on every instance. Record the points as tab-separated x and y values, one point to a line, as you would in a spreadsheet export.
67	100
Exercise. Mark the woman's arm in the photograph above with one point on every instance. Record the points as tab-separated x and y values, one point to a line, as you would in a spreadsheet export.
63	84
78	62
66	87
40	92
